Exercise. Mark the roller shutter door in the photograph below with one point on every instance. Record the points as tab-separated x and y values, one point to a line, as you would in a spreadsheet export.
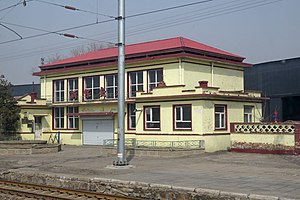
97	130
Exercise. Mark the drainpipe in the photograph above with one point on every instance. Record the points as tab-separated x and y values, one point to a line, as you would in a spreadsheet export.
180	72
45	86
212	74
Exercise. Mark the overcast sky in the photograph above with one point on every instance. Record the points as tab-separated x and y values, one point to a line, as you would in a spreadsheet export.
260	30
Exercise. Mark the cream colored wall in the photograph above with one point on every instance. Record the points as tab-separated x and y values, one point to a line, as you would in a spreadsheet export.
202	122
217	143
282	139
170	75
235	113
228	79
166	116
193	73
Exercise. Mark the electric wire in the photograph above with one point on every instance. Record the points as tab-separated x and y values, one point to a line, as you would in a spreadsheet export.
14	5
167	9
130	16
75	9
49	32
203	17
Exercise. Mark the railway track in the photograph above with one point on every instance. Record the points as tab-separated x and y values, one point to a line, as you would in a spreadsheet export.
21	191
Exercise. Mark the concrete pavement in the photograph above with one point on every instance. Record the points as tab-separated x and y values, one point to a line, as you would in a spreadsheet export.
274	175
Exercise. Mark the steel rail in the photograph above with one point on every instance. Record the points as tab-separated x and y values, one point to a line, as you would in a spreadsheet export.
27	190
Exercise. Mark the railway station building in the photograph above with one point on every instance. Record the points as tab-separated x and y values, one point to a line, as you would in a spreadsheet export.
177	89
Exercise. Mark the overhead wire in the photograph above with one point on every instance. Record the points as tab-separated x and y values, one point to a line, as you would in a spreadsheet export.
14	5
203	17
74	8
130	16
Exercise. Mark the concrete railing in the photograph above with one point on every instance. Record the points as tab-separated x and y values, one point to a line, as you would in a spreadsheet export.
154	144
276	138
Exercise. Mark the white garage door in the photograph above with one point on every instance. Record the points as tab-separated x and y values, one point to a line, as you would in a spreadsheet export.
97	130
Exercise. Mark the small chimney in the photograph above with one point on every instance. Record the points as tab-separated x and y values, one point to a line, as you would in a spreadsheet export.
203	84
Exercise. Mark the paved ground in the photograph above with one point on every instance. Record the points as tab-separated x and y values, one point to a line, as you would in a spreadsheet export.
273	175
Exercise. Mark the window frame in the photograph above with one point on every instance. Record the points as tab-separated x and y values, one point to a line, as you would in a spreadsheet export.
181	114
61	92
248	114
61	118
135	84
114	86
224	113
156	83
145	118
92	88
130	115
74	89
72	116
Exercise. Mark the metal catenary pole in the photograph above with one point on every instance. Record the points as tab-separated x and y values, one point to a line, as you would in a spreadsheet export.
121	159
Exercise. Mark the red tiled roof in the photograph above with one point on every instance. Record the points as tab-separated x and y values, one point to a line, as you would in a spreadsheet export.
152	46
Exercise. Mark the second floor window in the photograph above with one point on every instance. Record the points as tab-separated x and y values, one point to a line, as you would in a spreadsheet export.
248	114
154	78
111	86
92	88
135	83
59	90
220	117
59	118
73	117
152	117
73	89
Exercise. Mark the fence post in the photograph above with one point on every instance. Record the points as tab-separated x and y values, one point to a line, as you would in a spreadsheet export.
297	139
58	137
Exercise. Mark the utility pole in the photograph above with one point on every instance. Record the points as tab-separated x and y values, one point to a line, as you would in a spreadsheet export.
121	156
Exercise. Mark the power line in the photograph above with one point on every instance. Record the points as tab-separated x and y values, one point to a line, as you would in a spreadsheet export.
167	9
49	32
195	17
14	5
74	9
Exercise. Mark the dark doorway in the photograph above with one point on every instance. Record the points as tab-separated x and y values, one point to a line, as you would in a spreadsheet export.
291	108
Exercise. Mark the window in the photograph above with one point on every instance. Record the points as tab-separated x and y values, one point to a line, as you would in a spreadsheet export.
73	89
59	90
183	116
73	117
248	114
220	117
135	83
154	78
111	86
59	119
131	116
92	88
152	117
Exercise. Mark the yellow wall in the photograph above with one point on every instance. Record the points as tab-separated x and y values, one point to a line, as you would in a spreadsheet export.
235	113
194	73
228	79
282	139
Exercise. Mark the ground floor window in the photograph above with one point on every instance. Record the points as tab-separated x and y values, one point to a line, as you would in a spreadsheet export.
182	117
152	117
73	117
59	119
248	110
131	116
220	117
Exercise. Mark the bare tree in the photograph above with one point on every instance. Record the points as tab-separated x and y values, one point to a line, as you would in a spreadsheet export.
79	51
54	58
